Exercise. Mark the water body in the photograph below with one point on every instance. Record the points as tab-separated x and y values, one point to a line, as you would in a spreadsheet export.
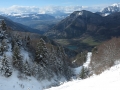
72	47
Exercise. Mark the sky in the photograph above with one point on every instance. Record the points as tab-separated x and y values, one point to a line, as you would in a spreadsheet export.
41	3
52	6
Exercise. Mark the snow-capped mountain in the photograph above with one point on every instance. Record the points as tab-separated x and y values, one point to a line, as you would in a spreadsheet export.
111	9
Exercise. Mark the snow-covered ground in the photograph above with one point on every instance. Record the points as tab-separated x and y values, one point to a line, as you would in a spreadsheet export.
108	80
86	64
14	83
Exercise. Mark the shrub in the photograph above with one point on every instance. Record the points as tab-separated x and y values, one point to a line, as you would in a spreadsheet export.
105	55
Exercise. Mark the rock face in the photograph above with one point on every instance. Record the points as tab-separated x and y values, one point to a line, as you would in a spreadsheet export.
84	23
111	9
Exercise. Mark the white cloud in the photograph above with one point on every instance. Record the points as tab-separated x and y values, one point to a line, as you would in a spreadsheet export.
47	9
20	9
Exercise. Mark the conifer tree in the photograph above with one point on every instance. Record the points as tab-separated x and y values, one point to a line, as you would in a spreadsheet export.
17	58
13	43
26	69
62	65
52	57
2	31
42	73
41	53
6	68
4	45
60	62
4	27
35	69
84	73
28	41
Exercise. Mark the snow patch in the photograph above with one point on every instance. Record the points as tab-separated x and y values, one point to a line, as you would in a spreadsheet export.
80	13
106	14
88	60
25	55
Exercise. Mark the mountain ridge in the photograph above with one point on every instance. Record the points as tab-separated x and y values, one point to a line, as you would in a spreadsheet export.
81	22
19	27
85	29
110	9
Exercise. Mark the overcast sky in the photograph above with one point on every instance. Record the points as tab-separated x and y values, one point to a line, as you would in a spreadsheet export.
41	3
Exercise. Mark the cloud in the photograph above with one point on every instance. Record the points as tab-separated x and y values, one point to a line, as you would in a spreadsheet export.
20	9
47	9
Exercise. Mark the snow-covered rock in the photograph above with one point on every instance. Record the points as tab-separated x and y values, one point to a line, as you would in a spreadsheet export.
111	9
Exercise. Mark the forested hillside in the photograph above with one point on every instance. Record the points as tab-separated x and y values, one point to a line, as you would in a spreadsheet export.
30	57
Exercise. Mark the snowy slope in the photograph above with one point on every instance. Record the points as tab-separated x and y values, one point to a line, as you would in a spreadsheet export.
29	83
14	83
108	80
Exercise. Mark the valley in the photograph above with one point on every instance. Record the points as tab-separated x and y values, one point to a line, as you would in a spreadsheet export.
60	47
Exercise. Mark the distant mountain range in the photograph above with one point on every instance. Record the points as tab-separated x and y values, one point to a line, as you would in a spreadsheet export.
19	27
41	22
47	20
25	17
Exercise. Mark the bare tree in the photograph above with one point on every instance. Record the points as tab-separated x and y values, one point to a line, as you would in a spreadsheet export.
105	55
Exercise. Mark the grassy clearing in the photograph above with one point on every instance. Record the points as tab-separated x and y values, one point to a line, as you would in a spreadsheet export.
63	42
90	41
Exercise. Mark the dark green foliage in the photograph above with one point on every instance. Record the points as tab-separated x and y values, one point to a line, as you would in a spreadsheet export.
26	69
35	69
17	58
4	27
13	43
28	41
62	64
84	73
3	46
41	52
6	67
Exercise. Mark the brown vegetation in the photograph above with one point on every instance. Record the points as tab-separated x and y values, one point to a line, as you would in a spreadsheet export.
105	55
